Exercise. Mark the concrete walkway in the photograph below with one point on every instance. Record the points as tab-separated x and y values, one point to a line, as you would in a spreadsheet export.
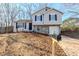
70	46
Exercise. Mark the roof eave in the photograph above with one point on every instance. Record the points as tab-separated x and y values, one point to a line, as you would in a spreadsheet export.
49	8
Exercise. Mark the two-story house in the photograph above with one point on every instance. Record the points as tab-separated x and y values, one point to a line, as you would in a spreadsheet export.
47	21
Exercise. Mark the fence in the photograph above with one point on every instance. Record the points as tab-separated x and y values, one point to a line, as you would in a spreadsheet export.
57	49
6	29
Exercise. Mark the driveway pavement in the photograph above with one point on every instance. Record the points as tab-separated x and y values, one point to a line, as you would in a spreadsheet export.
70	45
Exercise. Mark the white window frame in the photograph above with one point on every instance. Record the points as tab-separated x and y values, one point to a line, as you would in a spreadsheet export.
52	17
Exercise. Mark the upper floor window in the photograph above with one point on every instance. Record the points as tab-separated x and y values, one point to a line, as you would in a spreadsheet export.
55	17
49	17
35	17
52	17
40	17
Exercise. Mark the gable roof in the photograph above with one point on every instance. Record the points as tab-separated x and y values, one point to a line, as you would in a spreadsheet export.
48	8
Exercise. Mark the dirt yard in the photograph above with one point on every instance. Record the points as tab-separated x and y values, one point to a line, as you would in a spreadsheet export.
29	44
25	44
32	44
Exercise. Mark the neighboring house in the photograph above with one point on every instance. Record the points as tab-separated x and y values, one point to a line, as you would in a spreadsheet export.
46	20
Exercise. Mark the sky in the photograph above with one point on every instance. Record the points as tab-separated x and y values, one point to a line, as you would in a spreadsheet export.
59	6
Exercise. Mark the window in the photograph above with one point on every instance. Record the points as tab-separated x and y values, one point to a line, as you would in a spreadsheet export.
38	18
16	25
49	17
25	25
55	17
35	18
41	18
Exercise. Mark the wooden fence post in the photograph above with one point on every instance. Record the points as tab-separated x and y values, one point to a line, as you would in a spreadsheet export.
54	42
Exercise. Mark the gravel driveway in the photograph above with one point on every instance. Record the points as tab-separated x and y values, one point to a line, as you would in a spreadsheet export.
70	46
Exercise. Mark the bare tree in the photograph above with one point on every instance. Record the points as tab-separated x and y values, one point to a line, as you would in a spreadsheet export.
30	8
9	12
72	8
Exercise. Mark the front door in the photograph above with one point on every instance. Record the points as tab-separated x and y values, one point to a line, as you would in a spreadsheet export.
30	26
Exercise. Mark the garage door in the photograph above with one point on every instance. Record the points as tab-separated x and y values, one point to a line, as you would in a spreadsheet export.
54	30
